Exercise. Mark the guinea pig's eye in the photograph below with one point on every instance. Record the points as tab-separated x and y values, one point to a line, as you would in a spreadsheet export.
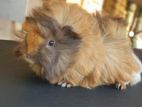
51	43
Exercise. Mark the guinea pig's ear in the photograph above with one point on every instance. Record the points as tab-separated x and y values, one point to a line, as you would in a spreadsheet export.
46	23
70	38
69	32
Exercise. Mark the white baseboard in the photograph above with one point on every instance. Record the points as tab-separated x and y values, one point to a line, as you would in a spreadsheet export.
6	31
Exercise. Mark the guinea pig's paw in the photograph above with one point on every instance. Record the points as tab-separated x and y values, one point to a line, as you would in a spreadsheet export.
64	84
122	86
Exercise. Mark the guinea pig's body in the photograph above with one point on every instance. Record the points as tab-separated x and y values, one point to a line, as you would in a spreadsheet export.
78	49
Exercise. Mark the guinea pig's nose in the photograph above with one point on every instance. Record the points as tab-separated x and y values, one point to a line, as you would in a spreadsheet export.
18	52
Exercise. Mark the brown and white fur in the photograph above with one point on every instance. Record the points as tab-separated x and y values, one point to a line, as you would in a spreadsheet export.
89	50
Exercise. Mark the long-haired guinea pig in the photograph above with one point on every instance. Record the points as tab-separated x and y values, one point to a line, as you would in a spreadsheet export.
68	46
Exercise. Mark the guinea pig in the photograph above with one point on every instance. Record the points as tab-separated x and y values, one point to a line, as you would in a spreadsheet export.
67	46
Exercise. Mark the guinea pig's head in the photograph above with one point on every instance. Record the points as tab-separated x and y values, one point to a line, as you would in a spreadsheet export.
31	43
49	44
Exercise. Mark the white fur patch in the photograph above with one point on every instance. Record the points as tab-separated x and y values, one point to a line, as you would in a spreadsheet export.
139	62
137	76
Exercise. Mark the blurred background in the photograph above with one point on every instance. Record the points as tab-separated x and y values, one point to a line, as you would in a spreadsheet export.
129	10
